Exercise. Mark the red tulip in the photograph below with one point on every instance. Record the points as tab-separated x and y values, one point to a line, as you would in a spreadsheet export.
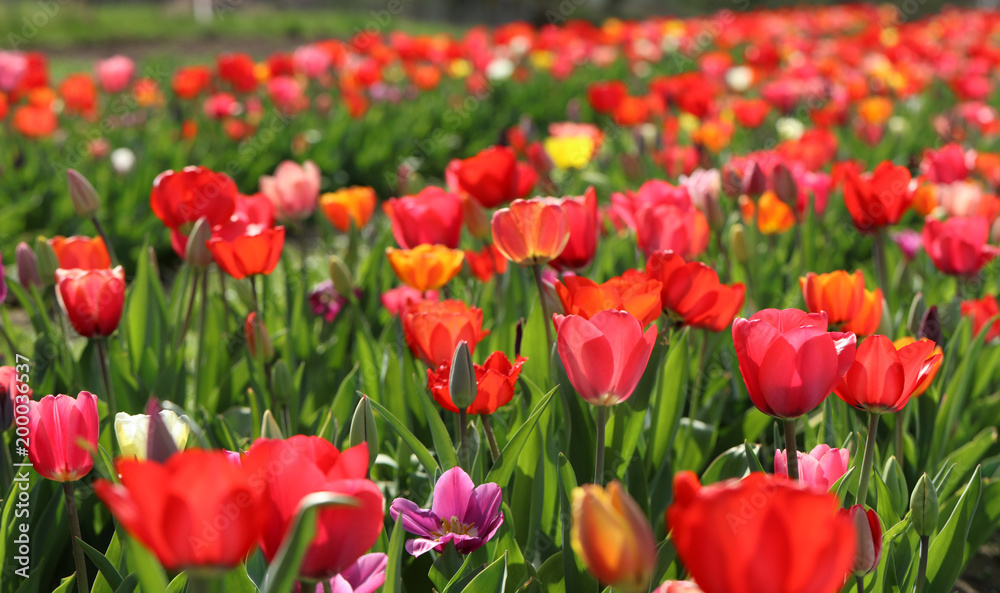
869	530
196	510
788	360
692	291
180	198
633	291
84	253
581	215
879	199
92	299
605	97
958	246
433	329
760	534
433	216
495	381
981	311
494	176
286	471
484	264
57	425
882	378
667	227
253	251
605	355
531	232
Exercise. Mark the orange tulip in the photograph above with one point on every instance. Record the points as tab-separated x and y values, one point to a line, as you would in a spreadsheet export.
425	267
349	205
434	328
531	232
868	317
937	355
838	293
83	253
774	216
248	253
611	535
633	291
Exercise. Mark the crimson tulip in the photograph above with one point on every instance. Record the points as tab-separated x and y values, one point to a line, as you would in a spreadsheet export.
721	531
286	471
198	510
180	198
882	379
63	435
958	246
581	216
691	291
531	232
92	299
494	176
879	199
432	216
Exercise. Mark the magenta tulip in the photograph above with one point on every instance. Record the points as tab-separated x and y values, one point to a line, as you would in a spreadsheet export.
63	433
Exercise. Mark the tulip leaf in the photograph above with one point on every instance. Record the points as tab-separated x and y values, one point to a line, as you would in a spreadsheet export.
946	556
103	564
751	451
493	578
425	457
238	581
393	571
128	584
574	575
668	401
502	470
179	584
284	570
145	566
66	584
550	573
442	440
732	463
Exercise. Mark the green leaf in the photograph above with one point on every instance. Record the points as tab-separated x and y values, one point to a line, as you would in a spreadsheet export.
66	585
409	438
442	440
393	571
668	402
733	463
129	584
284	570
502	470
150	573
238	581
946	556
179	584
493	579
103	564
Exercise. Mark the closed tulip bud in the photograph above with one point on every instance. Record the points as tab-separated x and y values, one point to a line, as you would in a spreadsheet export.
784	185
930	326
754	181
196	253
343	283
895	481
132	432
738	243
83	194
612	536
258	340
281	381
869	533
47	261
462	378
364	430
924	507
27	266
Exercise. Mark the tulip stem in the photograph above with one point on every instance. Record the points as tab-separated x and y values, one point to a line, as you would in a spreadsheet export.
107	243
490	437
866	464
546	316
900	429
791	448
190	309
878	261
463	432
82	583
326	586
922	565
256	301
602	420
10	342
860	582
103	363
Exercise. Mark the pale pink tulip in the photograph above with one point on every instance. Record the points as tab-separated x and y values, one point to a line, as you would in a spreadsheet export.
293	189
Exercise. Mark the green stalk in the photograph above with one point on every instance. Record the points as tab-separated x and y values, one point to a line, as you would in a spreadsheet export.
82	583
922	566
791	448
602	419
547	316
490	437
104	364
866	464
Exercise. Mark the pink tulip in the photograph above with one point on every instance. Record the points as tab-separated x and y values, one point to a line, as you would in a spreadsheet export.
605	355
957	246
57	424
869	530
820	468
12	67
286	93
293	189
364	576
115	73
311	60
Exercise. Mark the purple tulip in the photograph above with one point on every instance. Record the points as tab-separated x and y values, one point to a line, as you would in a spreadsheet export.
909	242
325	301
366	575
460	513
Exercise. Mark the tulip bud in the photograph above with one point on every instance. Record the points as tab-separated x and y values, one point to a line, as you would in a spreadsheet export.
784	185
258	340
48	263
754	181
930	326
27	266
894	480
462	378
869	531
363	429
738	243
924	507
282	384
196	253
269	428
341	276
83	194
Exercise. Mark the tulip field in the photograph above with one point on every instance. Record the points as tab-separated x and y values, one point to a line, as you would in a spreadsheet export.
665	305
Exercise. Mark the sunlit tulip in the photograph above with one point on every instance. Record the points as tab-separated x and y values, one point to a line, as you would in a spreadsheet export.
839	294
432	216
612	536
633	291
788	360
569	152
605	355
92	299
773	215
293	189
531	232
869	530
981	311
691	291
191	492
292	469
958	246
882	379
581	216
936	356
495	381
63	437
366	575
248	251
720	530
133	432
433	329
461	513
425	267
84	253
180	198
878	199
348	206
494	176
866	321
819	468
668	227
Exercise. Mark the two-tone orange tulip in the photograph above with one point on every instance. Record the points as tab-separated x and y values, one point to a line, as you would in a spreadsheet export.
531	232
348	206
611	535
868	317
844	299
425	267
773	215
633	291
936	356
82	253
883	378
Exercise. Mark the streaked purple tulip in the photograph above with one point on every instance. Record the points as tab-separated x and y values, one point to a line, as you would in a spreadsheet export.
325	301
819	469
364	576
460	512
